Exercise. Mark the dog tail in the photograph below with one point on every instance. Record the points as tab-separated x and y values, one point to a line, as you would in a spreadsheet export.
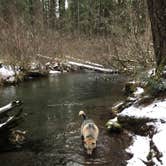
82	113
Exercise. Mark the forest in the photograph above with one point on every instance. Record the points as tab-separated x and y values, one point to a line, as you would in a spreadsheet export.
115	33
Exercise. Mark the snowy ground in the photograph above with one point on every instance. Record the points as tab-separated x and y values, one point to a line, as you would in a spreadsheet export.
141	145
7	74
138	152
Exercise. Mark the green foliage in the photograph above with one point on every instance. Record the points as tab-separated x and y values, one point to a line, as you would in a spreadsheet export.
89	16
109	29
156	86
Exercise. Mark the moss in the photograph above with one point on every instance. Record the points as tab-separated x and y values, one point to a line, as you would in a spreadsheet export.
113	125
156	86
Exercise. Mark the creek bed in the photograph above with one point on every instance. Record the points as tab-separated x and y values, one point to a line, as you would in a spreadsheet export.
51	106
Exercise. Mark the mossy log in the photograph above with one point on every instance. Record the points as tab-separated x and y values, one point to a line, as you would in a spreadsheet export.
10	106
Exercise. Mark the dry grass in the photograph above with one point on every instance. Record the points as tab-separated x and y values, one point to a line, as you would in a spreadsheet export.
19	45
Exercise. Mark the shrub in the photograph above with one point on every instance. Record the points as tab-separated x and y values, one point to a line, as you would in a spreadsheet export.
156	86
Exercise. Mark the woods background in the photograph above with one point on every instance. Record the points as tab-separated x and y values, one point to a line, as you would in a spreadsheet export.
111	32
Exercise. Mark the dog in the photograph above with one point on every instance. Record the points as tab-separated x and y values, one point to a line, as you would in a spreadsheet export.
89	133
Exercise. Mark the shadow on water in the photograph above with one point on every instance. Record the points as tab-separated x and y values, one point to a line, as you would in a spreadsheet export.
53	126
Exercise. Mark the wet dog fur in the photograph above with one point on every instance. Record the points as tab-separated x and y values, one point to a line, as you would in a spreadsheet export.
89	133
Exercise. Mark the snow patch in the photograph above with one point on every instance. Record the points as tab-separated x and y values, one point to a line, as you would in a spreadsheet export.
159	141
54	72
7	73
156	110
140	148
139	91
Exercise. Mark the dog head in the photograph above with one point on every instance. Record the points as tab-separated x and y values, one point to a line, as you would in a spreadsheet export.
89	144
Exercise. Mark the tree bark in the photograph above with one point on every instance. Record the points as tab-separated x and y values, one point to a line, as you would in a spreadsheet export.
61	8
157	14
52	13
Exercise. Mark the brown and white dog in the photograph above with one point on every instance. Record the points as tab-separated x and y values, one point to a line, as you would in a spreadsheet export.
89	133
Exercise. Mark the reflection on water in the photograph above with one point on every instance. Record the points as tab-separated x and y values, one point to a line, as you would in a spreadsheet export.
8	94
53	124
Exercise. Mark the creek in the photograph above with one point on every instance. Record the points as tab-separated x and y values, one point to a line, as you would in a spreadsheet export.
51	107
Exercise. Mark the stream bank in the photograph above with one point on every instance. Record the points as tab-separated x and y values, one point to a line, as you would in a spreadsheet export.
10	75
142	114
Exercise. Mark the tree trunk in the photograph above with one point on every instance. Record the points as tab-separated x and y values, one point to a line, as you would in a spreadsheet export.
31	12
52	13
157	13
61	8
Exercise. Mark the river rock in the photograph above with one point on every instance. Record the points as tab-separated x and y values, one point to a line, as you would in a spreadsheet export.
17	136
113	125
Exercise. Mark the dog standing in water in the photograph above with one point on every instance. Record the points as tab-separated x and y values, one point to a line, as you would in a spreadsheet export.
89	132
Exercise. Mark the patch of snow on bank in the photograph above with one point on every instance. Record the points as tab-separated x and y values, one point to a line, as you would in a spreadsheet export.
7	73
140	149
156	110
54	72
139	91
159	141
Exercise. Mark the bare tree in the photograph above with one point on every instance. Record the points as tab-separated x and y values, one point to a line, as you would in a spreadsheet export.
52	13
157	13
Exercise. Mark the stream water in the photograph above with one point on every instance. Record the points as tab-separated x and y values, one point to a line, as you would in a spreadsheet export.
51	106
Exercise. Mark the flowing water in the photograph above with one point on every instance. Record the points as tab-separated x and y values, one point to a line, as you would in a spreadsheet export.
51	107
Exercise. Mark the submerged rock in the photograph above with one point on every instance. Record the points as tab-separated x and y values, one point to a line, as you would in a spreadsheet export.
17	136
7	74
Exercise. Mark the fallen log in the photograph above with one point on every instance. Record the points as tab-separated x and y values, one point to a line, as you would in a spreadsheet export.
92	67
9	106
11	120
6	119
